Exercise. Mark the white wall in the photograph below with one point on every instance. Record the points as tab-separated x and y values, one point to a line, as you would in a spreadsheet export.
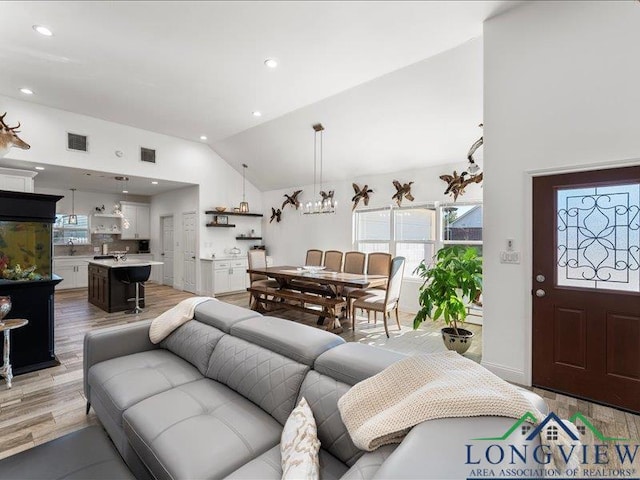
561	92
288	241
175	202
177	159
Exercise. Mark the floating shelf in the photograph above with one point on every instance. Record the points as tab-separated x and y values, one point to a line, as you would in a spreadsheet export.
237	214
248	238
106	231
222	225
107	215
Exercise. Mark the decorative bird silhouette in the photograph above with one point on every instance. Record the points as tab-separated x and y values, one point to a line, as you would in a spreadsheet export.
327	196
473	166
402	191
292	199
361	194
275	215
457	183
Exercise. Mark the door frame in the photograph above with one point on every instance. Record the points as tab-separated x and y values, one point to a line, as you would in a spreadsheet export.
197	249
527	255
161	228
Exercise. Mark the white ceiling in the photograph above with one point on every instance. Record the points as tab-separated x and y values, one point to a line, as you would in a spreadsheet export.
193	68
65	178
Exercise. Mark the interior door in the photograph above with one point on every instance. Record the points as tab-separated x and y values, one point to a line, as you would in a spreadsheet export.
586	285
189	248
167	250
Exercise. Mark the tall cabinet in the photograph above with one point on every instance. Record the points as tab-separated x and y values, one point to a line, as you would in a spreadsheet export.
138	216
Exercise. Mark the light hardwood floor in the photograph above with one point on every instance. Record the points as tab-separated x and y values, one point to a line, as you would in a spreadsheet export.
50	403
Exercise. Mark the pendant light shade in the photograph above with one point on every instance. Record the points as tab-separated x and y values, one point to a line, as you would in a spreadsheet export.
244	205
326	203
73	218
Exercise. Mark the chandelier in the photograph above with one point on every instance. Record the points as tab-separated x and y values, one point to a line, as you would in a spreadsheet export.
326	203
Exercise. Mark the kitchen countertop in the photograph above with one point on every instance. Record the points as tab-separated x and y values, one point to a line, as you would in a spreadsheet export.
237	257
95	254
124	263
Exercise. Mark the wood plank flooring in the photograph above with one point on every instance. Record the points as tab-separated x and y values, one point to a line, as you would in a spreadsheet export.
50	403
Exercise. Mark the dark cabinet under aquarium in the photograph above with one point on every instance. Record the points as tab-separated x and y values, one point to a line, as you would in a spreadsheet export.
26	275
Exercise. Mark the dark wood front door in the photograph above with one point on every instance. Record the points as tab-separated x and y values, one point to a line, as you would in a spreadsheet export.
586	285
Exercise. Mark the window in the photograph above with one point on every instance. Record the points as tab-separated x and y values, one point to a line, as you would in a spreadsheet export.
552	433
525	429
418	232
63	232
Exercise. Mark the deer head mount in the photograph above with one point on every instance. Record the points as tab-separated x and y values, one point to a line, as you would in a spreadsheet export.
9	137
402	191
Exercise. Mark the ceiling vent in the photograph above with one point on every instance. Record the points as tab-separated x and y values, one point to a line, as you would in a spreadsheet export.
77	142
147	155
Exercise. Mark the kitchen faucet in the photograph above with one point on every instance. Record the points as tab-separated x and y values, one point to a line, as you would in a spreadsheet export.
72	250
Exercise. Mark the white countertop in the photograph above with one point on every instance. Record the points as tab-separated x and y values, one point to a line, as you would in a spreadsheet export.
237	257
60	257
124	263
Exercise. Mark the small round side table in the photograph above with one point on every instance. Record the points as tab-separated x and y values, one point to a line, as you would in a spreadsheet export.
6	326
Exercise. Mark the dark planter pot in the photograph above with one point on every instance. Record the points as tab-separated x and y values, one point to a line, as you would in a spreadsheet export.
459	343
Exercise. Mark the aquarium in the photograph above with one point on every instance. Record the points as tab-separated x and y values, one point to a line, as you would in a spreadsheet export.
25	251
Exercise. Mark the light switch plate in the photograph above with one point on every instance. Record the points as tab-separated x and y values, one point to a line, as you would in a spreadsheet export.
510	257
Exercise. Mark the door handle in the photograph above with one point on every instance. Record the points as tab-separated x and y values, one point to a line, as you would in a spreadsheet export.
162	254
540	293
540	278
194	257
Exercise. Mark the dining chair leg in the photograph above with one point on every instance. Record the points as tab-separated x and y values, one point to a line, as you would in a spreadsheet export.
397	318
386	328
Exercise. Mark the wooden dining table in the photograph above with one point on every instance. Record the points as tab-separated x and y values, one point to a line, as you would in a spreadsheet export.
315	287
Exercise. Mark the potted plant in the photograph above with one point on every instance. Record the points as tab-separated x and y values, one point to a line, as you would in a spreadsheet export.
455	276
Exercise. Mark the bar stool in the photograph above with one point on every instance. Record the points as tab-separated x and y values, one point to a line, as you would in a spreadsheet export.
135	275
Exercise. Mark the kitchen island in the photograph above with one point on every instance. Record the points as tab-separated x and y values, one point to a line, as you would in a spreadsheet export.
107	291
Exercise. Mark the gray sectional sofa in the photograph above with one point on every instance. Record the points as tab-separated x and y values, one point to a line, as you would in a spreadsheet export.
210	400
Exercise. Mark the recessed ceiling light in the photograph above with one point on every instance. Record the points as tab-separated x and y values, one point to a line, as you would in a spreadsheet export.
39	168
125	191
42	30
26	91
154	183
256	114
271	62
203	137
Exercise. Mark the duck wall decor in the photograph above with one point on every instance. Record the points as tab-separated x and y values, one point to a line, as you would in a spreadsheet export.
292	199
456	184
402	191
276	215
360	194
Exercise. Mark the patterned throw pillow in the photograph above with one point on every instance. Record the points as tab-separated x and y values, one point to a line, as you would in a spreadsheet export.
299	445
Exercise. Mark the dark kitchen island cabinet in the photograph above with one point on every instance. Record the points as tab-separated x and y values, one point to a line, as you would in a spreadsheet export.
107	292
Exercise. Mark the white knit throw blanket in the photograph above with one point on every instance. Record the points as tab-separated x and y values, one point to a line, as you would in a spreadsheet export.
382	409
167	322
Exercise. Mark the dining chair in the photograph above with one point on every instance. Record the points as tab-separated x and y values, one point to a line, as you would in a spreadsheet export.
333	260
384	301
314	258
258	259
354	262
379	263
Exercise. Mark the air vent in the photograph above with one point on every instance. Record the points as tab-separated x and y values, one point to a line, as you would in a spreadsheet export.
78	143
147	155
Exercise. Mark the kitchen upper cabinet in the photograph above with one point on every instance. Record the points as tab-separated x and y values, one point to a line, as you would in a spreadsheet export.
138	216
16	180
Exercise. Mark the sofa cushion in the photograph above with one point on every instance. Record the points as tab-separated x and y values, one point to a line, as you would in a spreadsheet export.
222	315
353	362
199	430
276	334
369	463
268	379
322	393
268	467
194	342
124	381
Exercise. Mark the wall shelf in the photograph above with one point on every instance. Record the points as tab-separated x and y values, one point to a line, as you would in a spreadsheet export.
222	225
237	214
107	215
248	238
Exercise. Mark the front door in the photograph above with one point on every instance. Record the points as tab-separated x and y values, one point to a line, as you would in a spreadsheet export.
586	285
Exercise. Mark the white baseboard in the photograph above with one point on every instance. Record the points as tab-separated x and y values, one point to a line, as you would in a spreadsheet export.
509	374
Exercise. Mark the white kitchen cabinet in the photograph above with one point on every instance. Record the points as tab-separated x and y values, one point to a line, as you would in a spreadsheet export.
73	271
138	216
16	180
230	276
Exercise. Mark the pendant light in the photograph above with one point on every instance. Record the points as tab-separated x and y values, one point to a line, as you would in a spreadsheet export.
73	218
244	205
326	204
123	181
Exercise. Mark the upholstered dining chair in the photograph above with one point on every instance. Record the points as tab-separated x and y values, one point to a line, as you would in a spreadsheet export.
354	262
383	301
258	259
314	258
379	263
333	260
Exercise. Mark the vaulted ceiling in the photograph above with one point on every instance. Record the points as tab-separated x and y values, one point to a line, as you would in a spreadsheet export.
196	68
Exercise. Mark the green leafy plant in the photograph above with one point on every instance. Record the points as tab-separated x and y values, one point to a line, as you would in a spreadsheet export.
455	275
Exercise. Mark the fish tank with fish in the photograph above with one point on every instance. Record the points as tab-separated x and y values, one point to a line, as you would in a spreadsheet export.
25	251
